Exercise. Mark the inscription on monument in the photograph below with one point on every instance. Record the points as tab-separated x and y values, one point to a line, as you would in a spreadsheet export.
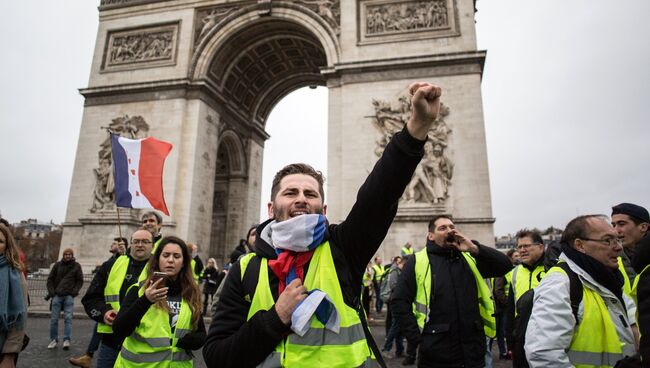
386	21
142	47
104	193
432	178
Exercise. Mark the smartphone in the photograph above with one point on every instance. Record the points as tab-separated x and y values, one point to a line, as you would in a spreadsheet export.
159	275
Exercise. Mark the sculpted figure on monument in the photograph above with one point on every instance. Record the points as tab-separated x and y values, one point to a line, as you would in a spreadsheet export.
413	15
432	177
209	18
104	193
141	46
330	10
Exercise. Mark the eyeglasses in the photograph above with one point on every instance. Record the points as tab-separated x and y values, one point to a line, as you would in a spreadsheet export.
526	246
141	241
608	241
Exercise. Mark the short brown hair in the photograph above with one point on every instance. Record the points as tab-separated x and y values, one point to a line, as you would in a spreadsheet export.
432	223
298	168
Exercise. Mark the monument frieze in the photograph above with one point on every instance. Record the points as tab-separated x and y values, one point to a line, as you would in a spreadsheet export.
150	46
388	21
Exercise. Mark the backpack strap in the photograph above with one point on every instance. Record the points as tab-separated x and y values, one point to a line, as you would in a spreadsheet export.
575	288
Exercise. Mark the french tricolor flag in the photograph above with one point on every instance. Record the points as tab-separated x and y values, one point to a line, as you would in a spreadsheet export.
138	169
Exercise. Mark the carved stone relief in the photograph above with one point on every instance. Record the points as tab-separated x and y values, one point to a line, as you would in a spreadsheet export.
432	178
329	10
104	193
394	20
207	19
142	47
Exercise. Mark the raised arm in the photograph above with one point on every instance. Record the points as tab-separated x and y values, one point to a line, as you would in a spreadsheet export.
366	225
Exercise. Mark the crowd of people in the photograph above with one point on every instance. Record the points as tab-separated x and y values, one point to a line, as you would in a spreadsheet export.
298	290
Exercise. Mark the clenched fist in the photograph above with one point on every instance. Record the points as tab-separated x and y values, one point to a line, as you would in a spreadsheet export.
425	103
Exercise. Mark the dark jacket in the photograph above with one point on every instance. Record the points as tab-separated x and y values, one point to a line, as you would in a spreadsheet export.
66	278
134	307
212	278
640	261
93	301
453	336
353	243
239	251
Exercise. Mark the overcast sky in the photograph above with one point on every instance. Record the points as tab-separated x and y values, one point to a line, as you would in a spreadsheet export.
565	95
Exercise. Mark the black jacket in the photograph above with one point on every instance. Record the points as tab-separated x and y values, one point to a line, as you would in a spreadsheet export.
66	278
212	278
353	243
134	307
93	301
640	261
453	336
239	251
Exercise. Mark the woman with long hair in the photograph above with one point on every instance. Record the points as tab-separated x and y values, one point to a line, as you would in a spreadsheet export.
212	278
161	320
13	300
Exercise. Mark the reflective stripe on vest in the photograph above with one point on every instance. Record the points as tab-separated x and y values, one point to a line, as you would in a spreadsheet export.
319	346
152	343
423	294
112	289
589	349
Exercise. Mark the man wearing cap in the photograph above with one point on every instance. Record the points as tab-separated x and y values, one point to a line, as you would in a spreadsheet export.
631	223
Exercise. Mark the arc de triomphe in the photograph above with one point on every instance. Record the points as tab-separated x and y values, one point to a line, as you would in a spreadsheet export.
205	74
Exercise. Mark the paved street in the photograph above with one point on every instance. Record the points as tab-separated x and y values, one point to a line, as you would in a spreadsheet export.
37	354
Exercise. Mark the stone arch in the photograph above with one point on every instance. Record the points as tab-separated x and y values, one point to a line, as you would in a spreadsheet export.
230	191
252	62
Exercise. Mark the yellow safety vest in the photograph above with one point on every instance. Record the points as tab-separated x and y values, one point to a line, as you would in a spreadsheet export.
508	278
595	342
634	296
379	271
112	289
627	287
523	279
423	294
319	347
193	265
153	344
407	251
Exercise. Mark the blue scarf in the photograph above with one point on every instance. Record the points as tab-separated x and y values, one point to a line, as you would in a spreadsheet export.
294	241
12	305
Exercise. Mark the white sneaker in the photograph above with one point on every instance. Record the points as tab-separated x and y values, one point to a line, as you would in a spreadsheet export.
66	344
52	344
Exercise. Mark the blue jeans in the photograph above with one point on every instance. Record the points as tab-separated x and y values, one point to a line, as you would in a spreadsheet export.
378	302
107	356
93	345
67	302
395	334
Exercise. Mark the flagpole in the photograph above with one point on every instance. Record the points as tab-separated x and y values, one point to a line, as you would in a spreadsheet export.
117	209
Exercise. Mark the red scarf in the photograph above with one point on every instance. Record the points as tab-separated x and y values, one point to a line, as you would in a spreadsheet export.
290	265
